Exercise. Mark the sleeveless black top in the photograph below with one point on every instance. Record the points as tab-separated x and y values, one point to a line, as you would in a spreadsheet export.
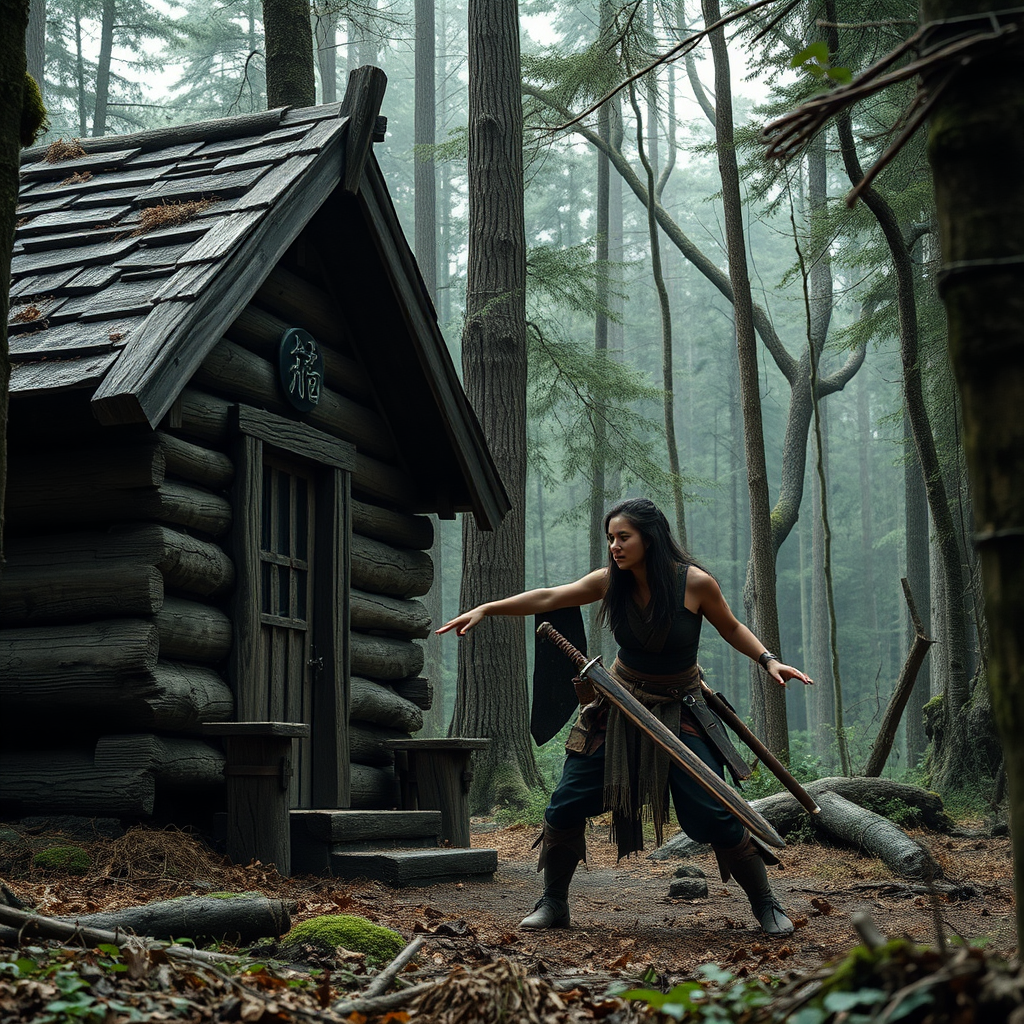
660	651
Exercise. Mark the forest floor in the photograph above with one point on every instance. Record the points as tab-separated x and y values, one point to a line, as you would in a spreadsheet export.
626	929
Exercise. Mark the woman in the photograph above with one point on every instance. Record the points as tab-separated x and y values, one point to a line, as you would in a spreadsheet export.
653	597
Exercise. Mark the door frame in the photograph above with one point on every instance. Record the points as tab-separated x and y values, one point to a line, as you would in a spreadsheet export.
332	461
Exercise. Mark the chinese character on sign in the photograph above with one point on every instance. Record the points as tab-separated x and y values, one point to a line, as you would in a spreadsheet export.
301	368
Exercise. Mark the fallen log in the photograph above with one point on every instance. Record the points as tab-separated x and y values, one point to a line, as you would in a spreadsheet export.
871	833
18	924
849	823
236	919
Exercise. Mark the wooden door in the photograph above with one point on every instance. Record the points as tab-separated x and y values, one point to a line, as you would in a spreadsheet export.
289	660
287	646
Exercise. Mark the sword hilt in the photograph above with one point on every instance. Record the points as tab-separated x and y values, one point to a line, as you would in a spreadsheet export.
548	632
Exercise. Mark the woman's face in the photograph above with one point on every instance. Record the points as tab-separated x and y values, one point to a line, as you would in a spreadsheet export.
626	543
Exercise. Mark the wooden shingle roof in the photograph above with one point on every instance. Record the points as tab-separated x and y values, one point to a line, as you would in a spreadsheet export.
109	294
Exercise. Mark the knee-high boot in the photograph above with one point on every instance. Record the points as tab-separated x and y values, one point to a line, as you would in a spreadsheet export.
745	862
561	850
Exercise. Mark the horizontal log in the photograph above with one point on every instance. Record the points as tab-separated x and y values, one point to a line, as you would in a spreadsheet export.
188	565
191	631
240	373
375	612
376	702
46	476
238	919
301	302
110	589
417	690
175	762
195	464
396	528
65	782
373	788
261	332
106	673
383	569
207	417
366	743
382	657
82	502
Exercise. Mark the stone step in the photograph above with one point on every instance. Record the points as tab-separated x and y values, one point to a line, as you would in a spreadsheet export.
400	868
315	833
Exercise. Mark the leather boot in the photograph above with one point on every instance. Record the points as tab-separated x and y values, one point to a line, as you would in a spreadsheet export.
745	862
561	850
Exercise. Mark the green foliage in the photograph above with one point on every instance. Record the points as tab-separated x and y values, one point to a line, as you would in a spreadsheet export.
815	60
65	860
328	932
34	119
719	997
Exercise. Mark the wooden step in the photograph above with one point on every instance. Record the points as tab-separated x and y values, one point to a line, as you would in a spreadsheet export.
400	868
316	833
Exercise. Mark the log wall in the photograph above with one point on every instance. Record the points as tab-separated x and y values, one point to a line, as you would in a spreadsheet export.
114	627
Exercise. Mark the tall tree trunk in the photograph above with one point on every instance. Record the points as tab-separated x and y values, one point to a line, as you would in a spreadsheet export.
492	694
35	44
13	22
597	473
759	592
289	50
99	117
826	747
80	72
976	149
425	220
919	579
867	527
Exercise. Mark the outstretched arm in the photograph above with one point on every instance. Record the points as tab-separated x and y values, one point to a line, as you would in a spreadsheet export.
713	606
531	602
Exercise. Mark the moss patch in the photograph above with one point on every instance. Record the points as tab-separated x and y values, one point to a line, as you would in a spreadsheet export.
327	933
65	860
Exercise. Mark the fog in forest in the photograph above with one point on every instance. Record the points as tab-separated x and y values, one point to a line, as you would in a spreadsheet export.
821	275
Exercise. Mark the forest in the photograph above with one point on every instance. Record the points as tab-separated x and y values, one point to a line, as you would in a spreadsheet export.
633	382
737	243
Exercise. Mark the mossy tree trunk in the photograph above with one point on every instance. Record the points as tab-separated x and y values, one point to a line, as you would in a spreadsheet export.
976	150
289	53
13	22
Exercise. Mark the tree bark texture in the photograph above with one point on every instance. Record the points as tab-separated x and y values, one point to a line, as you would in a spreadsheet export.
424	130
99	117
919	580
976	150
35	43
492	697
289	51
760	588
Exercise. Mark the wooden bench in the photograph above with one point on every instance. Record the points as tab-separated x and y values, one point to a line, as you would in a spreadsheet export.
435	775
258	773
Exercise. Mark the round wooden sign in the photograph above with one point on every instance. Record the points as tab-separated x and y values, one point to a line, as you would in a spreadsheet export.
301	368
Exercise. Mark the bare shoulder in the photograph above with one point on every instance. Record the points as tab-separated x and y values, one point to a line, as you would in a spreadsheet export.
699	580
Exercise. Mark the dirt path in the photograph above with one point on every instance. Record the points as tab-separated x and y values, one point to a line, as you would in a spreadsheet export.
624	923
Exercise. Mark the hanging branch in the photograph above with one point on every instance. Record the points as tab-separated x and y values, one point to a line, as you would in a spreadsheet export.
679	50
786	136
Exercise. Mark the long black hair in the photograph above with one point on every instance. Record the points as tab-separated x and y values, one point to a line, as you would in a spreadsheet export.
664	557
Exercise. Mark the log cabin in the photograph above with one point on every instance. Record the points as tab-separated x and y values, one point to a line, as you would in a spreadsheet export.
232	411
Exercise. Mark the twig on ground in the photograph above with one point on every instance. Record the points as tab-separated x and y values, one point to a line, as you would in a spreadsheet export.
383	980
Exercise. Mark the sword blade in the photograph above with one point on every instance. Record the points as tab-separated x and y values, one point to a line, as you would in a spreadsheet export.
667	740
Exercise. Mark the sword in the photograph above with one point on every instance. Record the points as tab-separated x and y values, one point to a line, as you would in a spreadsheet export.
664	737
721	707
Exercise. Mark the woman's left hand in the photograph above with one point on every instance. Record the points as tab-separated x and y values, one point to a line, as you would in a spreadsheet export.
781	673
